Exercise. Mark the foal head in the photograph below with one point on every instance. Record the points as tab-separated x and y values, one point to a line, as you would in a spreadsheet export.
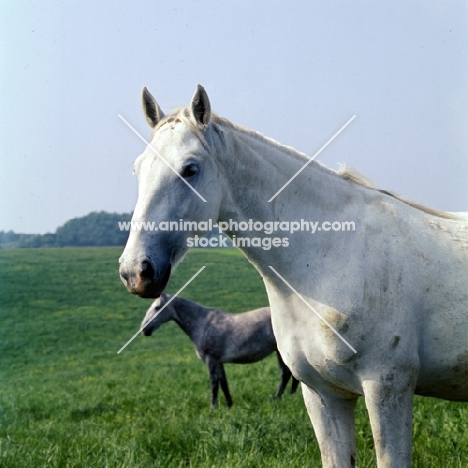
156	315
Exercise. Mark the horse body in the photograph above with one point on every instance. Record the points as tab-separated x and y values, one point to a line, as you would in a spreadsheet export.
396	288
220	338
393	302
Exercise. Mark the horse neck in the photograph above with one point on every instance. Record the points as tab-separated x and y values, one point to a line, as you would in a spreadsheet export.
190	317
257	167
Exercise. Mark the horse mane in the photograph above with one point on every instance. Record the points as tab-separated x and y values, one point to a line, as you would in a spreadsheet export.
182	115
356	177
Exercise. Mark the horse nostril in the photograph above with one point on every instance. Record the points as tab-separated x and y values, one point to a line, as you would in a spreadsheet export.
147	331
147	270
124	277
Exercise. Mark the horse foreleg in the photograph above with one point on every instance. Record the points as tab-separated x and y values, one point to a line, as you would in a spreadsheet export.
285	376
294	385
224	386
332	417
217	376
389	402
213	368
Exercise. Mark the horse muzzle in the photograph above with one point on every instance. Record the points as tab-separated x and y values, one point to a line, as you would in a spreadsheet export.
147	330
143	278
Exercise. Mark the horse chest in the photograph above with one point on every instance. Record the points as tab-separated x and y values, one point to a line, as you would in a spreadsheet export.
312	350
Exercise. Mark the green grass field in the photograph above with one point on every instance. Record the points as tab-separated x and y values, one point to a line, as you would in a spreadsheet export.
67	399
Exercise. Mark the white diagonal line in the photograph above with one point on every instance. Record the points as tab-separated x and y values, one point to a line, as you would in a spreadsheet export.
162	308
313	310
312	158
159	156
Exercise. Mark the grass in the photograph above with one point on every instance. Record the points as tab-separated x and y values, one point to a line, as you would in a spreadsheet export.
67	399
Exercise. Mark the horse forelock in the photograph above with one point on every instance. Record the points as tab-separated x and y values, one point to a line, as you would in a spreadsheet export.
182	115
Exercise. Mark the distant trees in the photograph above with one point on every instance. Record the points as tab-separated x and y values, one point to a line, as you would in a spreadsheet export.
95	229
9	238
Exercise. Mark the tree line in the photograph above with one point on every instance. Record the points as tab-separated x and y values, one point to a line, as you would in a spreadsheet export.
95	229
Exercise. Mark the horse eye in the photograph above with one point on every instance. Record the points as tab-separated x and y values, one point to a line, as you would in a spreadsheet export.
189	170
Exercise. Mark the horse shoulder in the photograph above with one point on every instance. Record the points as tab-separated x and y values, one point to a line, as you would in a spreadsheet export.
211	335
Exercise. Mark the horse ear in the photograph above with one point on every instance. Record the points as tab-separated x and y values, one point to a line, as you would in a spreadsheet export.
153	112
200	106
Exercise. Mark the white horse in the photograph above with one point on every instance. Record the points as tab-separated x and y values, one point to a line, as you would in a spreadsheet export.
396	289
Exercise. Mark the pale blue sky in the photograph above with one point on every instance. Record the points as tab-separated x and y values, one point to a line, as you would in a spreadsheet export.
295	71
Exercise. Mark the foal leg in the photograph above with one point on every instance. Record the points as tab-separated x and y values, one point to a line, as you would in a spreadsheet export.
213	369
217	376
332	417
224	386
295	384
389	401
285	376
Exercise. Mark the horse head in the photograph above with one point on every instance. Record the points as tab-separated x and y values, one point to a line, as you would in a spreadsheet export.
157	314
175	173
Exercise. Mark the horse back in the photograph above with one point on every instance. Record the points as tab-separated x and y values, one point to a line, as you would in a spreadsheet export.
243	338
